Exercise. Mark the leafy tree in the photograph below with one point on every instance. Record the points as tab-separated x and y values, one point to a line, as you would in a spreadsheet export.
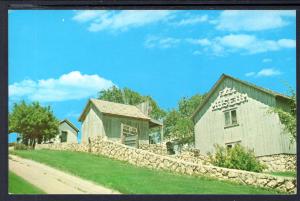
288	117
178	123
130	97
170	122
187	106
35	123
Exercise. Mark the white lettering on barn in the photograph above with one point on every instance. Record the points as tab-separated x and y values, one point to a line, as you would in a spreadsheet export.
227	98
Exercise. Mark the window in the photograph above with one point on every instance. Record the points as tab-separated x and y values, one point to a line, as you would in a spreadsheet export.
227	118
232	144
63	136
230	118
233	117
229	146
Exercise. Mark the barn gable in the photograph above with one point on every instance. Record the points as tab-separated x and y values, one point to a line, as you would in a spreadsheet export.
109	119
70	124
260	94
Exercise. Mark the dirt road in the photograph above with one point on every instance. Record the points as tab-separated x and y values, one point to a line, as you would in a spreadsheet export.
53	181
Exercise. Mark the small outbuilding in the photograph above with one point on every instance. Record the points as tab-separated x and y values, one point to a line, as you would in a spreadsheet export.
238	112
128	124
68	133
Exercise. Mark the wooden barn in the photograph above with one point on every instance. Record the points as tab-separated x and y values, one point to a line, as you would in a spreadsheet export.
236	111
127	124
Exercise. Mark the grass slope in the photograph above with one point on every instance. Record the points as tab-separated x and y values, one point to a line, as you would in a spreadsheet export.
284	174
129	179
17	185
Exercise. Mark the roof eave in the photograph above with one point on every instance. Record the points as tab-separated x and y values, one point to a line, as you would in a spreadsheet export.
70	124
80	119
119	115
208	96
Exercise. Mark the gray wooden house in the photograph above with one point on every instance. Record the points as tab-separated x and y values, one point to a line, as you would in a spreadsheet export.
68	133
124	123
236	111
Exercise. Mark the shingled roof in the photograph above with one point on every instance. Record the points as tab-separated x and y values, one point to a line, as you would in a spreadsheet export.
107	107
70	124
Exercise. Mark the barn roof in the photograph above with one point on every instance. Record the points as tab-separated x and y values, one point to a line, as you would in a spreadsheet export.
70	124
119	109
223	76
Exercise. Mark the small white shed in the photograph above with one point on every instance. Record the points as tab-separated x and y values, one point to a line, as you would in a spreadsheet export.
68	133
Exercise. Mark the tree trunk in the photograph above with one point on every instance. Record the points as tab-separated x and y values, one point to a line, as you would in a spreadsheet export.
33	143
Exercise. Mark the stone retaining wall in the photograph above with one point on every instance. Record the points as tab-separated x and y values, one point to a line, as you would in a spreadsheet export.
191	156
160	149
147	159
279	162
188	155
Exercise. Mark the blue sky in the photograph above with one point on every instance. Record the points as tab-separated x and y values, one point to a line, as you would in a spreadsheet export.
63	58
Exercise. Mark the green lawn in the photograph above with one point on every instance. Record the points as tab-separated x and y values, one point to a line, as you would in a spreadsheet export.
284	174
17	185
130	179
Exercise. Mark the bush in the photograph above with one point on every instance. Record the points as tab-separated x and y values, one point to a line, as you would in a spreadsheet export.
11	144
20	146
237	157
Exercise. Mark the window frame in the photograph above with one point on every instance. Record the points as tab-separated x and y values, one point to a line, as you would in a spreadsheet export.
229	114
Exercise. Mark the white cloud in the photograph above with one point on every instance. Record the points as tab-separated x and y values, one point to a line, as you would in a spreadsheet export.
160	42
71	86
287	43
250	74
266	72
120	20
87	15
73	114
258	20
192	20
197	52
202	42
246	44
267	60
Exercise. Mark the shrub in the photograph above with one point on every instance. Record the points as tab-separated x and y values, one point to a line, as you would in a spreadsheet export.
237	157
11	144
20	146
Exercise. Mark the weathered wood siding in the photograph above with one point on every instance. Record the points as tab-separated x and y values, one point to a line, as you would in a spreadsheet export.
92	125
258	129
72	134
112	125
98	124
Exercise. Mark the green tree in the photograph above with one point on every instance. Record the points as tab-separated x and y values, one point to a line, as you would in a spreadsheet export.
288	117
178	123
187	106
33	122
130	97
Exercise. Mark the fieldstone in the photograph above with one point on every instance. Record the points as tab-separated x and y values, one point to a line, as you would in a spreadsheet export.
232	175
272	184
289	185
262	182
250	181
